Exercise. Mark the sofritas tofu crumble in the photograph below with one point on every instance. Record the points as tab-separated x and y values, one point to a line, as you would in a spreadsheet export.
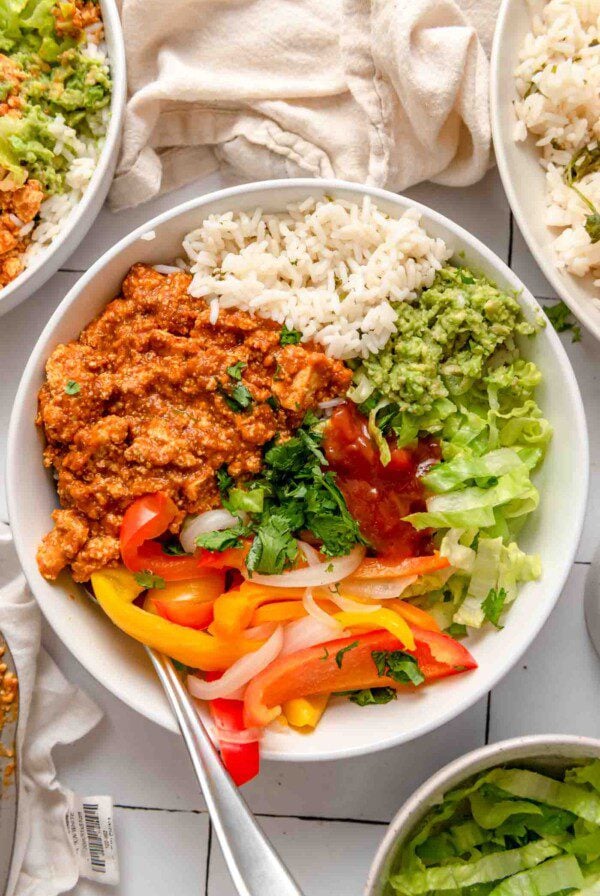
153	397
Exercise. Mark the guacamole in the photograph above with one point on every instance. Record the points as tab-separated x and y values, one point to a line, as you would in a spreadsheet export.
444	341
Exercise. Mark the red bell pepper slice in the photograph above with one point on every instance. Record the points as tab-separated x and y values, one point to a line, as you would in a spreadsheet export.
145	519
242	760
315	670
190	603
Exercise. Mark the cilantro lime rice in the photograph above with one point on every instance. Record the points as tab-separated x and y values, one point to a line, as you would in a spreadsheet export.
55	92
509	832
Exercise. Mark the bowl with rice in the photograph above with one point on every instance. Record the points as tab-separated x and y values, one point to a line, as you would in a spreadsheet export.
545	105
246	347
62	96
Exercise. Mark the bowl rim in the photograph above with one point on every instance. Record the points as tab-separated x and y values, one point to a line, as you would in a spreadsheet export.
453	773
49	260
559	282
44	345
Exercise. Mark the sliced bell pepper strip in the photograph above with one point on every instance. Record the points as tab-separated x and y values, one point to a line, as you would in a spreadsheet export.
379	619
146	519
116	589
285	611
232	558
242	760
413	615
189	603
377	568
305	712
315	670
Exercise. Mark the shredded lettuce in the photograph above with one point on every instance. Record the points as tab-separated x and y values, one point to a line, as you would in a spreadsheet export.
508	832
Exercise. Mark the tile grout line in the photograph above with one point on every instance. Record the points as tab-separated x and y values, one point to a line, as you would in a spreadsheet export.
367	821
208	852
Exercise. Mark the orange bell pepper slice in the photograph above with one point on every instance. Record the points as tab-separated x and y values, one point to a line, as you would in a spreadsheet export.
413	615
315	670
379	568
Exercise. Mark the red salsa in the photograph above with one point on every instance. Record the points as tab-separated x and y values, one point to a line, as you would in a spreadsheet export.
379	497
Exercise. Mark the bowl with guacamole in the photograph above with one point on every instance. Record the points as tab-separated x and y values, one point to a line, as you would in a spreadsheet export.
62	94
518	817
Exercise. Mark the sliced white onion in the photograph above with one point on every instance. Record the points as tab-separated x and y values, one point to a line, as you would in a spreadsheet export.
377	589
307	632
210	521
260	632
240	673
332	403
247	736
326	573
311	554
351	606
314	610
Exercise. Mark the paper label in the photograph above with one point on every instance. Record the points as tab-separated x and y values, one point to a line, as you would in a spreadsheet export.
91	831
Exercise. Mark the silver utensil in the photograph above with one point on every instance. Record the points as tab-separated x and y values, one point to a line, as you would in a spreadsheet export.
254	866
9	718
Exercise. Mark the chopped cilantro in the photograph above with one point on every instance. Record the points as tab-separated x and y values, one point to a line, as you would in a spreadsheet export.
72	387
325	654
456	630
399	665
493	605
224	480
273	403
181	667
293	494
339	657
289	337
235	370
369	696
224	539
592	226
173	548
147	579
560	318
239	399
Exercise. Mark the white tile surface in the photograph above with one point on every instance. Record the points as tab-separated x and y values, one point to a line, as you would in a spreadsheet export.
326	858
160	854
163	845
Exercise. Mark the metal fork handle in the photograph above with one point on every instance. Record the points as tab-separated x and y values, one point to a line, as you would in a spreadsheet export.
255	867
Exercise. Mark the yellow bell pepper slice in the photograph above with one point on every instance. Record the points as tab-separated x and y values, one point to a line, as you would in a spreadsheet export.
284	611
232	612
386	619
115	591
305	712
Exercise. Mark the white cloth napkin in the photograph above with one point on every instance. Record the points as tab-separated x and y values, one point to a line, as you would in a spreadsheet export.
385	92
51	712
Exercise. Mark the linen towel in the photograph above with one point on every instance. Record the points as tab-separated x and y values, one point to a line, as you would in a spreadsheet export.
384	92
51	712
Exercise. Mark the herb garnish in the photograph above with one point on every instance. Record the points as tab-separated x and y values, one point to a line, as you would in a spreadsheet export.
72	387
173	548
399	665
239	399
339	657
456	630
592	226
147	579
493	605
560	318
289	337
235	370
297	494
369	696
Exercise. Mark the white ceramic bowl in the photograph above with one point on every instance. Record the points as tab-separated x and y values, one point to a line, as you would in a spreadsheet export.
48	262
545	753
346	730
522	175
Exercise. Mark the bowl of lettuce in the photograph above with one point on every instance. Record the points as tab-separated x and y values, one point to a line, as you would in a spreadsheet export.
518	817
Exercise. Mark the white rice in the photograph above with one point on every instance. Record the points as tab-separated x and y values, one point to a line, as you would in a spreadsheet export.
82	156
558	83
330	269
